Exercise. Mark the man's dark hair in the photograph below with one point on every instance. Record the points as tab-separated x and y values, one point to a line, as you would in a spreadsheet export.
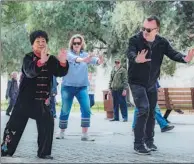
153	17
37	34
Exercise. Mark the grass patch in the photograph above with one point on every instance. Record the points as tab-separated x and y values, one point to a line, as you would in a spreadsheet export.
98	107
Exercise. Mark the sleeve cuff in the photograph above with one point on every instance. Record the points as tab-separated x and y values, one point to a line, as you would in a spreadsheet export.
39	64
184	59
63	64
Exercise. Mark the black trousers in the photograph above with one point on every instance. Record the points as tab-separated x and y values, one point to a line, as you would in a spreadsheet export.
167	113
145	99
17	123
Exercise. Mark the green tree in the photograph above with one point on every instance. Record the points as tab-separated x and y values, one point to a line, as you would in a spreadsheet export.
14	37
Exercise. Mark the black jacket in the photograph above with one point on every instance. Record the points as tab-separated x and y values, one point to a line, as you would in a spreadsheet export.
36	81
146	74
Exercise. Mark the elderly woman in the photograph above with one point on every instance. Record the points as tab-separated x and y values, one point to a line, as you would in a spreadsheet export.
33	100
75	84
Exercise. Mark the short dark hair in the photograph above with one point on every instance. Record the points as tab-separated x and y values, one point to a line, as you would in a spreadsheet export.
154	17
37	34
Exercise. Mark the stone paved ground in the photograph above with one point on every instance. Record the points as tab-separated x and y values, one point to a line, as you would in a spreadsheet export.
114	143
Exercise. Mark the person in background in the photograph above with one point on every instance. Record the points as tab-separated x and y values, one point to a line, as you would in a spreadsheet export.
164	126
118	86
91	88
168	111
12	92
53	96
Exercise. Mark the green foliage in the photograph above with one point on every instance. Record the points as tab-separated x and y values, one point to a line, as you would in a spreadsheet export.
92	69
15	43
13	12
126	20
14	38
64	19
106	26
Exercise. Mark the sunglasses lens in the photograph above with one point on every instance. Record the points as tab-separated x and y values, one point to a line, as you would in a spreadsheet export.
76	43
148	30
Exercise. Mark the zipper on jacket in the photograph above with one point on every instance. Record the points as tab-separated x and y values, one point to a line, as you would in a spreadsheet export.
150	64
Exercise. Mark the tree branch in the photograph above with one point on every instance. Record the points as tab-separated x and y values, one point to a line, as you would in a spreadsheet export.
97	37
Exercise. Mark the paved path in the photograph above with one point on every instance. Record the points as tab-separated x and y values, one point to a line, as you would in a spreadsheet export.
114	142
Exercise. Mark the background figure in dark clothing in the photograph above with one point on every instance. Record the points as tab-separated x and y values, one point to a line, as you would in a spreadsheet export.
11	92
91	88
53	96
118	86
38	69
145	53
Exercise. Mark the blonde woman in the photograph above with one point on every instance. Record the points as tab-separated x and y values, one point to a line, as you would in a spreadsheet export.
75	84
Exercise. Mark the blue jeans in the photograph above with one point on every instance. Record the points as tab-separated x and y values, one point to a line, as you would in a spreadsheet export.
161	121
53	105
118	99
92	102
68	93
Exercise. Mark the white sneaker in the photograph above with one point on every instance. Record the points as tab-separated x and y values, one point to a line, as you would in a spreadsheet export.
60	135
85	137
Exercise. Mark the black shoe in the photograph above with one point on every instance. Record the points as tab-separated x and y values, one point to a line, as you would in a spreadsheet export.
179	111
5	154
151	147
167	128
8	114
114	119
142	150
45	156
125	120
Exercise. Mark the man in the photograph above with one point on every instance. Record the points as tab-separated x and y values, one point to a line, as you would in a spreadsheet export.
145	53
53	96
33	99
118	86
164	126
12	92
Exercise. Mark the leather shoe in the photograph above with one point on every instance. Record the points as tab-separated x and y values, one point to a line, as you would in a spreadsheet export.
45	156
114	119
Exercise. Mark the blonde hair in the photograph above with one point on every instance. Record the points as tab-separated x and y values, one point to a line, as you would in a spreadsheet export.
83	44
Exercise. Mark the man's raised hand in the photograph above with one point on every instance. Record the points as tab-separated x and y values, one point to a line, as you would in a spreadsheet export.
141	57
190	55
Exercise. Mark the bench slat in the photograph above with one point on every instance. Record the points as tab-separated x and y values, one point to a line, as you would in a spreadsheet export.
181	98
179	93
179	89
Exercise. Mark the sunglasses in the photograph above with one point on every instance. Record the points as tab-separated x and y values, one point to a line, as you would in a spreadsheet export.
77	43
117	62
148	29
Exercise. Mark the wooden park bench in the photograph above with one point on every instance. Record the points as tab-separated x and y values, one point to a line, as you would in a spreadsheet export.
176	98
168	98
